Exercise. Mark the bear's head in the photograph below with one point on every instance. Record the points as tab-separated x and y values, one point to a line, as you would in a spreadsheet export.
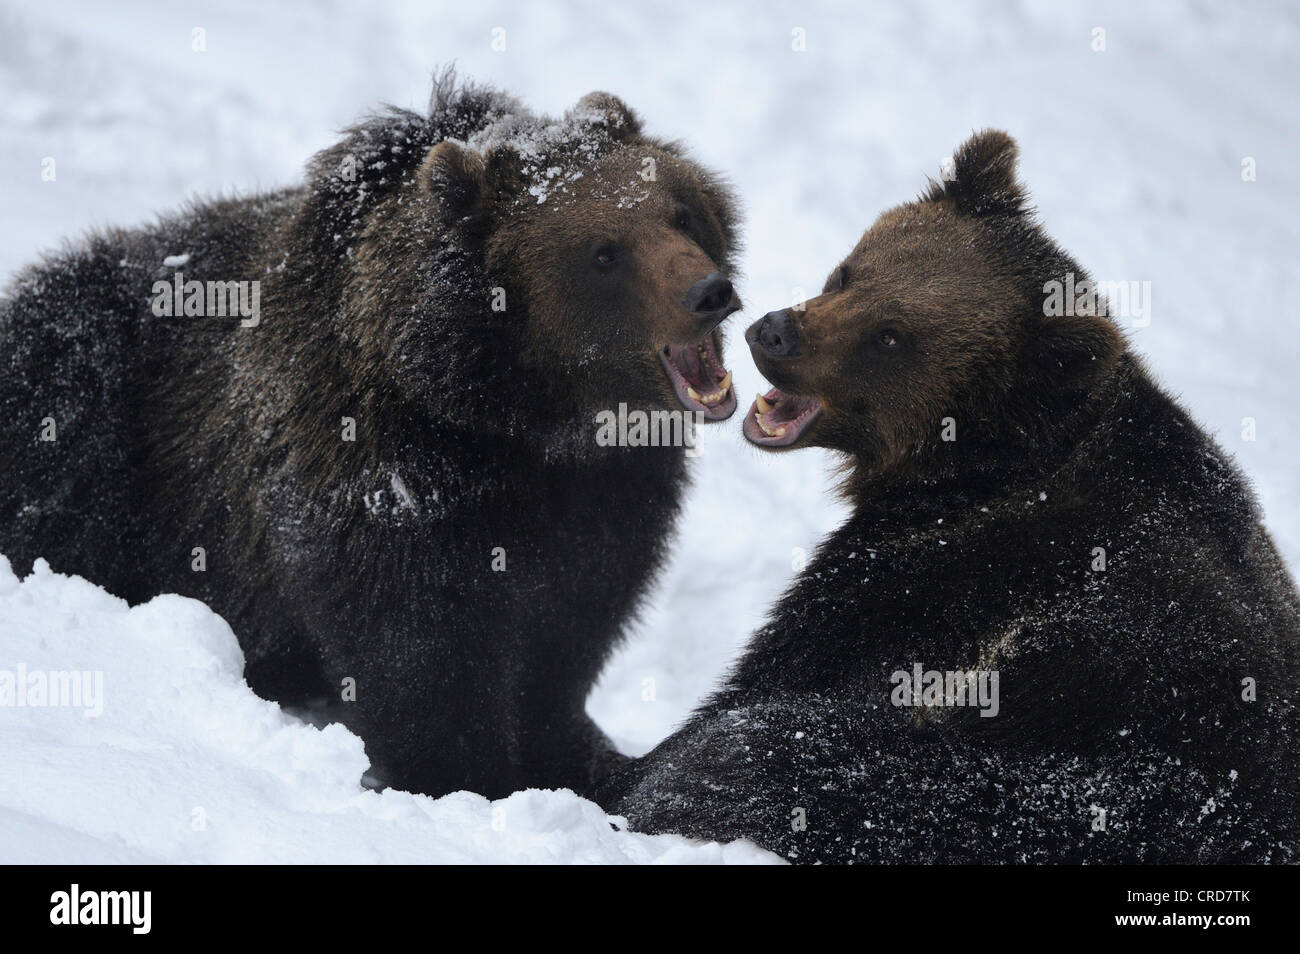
930	349
603	254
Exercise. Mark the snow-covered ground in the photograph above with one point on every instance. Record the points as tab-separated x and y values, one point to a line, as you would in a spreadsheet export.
1134	155
169	757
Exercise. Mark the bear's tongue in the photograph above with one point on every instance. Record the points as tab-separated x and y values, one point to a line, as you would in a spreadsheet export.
701	382
777	419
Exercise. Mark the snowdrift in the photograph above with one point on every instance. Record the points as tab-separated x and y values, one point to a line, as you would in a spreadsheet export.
174	759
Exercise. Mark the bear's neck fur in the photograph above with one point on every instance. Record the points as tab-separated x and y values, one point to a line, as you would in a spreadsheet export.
996	457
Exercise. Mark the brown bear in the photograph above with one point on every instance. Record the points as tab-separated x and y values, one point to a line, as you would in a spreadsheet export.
359	418
1053	628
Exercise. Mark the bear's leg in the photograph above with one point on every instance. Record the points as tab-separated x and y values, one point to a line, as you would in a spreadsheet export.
836	782
569	751
435	723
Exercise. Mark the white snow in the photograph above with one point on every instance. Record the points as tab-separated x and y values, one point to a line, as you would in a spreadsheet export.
1133	155
185	764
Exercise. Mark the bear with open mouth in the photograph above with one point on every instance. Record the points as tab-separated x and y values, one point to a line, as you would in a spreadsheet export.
388	481
1053	628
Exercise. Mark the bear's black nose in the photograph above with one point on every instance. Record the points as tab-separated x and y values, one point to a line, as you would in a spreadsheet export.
776	333
710	294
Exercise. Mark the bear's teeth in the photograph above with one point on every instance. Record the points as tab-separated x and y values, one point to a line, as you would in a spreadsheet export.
763	406
713	397
778	432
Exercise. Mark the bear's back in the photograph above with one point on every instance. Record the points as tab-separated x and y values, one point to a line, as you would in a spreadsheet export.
84	349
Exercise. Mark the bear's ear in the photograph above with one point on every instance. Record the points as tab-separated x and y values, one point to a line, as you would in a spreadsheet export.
463	183
1073	351
610	111
982	178
456	178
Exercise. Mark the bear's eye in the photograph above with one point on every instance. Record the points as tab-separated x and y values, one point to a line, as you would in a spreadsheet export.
606	256
683	220
887	338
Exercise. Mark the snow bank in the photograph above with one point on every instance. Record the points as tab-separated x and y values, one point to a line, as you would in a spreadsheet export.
183	763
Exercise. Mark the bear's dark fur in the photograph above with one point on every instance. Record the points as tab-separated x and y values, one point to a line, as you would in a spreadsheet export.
464	555
1081	536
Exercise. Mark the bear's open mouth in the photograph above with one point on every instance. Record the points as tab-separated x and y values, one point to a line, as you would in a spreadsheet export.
701	382
777	419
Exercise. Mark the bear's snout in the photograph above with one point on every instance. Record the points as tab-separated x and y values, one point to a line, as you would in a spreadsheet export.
713	298
775	334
